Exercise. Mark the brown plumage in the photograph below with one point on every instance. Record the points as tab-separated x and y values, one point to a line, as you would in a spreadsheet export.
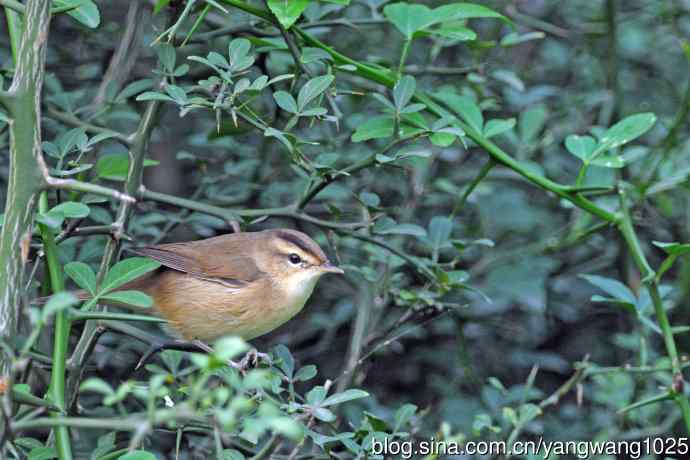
245	284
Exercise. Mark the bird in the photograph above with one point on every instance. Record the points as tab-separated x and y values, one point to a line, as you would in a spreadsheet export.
244	284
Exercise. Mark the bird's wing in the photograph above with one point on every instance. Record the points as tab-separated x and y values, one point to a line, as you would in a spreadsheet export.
213	259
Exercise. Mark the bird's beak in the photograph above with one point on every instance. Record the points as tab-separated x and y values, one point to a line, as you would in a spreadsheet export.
330	268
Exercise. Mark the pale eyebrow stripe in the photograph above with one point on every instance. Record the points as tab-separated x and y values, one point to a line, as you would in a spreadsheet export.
297	241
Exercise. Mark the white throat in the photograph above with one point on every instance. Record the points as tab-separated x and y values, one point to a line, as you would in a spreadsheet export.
299	291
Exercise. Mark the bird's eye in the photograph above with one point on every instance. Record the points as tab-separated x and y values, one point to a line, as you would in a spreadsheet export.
294	259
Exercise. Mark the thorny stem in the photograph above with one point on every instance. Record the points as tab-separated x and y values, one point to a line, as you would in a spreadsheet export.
650	282
27	168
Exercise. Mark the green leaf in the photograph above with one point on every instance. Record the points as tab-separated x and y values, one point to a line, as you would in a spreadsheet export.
316	395
86	13
288	427
178	94
631	308
28	443
464	106
53	221
238	48
627	130
608	160
457	11
581	146
440	229
455	31
237	53
286	361
160	4
154	96
404	229
287	11
316	111
167	55
310	54
134	298
138	455
413	108
347	395
272	132
371	200
497	126
285	101
531	123
612	287
42	453
403	91
409	18
126	271
403	415
69	139
323	414
312	89
373	128
442	139
82	275
229	347
58	302
305	373
72	210
68	209
587	150
116	166
674	249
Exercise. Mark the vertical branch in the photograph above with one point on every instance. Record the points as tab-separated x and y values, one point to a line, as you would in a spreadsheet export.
27	169
61	337
137	153
677	389
359	330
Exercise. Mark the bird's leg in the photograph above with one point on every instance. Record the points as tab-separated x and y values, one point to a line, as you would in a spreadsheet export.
253	357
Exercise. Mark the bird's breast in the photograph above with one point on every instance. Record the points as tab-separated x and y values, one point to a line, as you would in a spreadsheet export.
206	310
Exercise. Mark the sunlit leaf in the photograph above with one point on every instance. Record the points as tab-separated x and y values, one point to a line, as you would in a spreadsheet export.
287	11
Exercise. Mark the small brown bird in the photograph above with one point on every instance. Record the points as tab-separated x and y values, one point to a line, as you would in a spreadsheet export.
245	284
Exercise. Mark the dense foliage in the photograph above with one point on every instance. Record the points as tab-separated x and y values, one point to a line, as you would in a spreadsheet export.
504	183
